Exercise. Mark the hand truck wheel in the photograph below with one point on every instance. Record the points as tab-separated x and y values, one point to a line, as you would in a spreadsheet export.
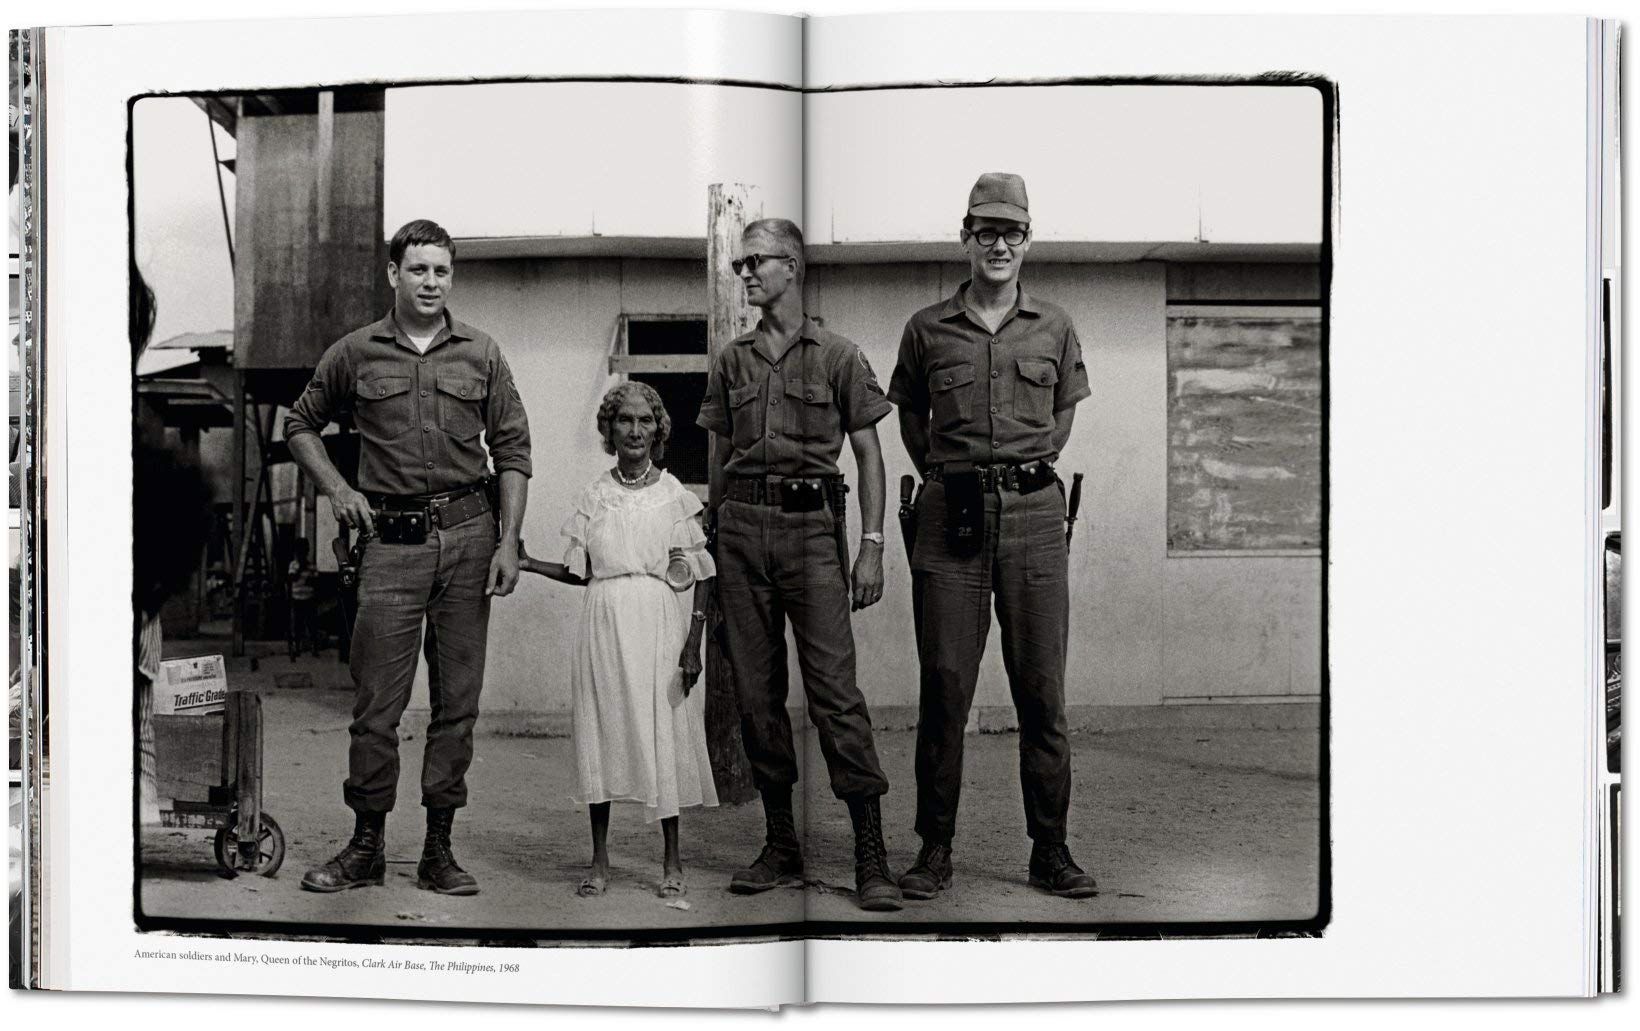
270	848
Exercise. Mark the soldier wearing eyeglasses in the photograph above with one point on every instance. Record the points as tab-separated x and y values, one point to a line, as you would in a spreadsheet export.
781	400
986	383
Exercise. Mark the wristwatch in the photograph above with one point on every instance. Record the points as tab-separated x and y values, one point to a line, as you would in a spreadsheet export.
875	538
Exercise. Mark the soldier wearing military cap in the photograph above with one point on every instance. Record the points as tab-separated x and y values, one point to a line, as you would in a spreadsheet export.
986	383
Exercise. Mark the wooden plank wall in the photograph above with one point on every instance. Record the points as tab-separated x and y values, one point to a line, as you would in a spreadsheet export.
1244	429
311	250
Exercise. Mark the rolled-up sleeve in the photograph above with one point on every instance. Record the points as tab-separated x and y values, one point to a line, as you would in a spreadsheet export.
327	392
860	400
714	407
908	387
507	425
1073	374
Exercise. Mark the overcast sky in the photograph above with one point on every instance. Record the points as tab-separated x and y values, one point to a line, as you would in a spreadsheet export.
484	160
1101	163
1140	163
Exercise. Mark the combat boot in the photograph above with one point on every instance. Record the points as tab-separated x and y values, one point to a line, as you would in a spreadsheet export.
931	874
363	861
874	886
437	870
780	864
1053	869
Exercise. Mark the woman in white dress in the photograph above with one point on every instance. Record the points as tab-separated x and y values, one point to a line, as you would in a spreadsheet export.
635	541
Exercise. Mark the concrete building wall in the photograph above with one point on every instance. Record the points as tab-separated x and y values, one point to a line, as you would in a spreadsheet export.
1146	628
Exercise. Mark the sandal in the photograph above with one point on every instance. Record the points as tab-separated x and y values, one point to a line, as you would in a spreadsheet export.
672	887
591	887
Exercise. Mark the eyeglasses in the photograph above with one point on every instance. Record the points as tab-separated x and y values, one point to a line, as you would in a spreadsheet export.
754	260
988	237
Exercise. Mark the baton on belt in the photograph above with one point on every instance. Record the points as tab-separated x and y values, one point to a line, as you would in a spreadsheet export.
1074	504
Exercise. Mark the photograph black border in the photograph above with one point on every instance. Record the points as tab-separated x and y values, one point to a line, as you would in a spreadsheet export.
726	934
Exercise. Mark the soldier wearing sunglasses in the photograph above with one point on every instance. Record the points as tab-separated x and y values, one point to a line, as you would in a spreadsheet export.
987	383
782	399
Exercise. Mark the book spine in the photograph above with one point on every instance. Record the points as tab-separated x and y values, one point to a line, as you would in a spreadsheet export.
27	509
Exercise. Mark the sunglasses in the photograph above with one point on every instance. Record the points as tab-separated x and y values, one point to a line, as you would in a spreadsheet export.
988	237
754	260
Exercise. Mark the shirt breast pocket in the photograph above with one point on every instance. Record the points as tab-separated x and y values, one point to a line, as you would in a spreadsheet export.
461	404
951	396
382	407
745	418
1033	391
812	412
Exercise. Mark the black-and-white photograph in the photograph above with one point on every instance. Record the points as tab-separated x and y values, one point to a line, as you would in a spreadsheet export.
550	526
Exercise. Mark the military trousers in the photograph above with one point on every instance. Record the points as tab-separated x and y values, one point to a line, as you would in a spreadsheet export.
1021	567
774	566
404	588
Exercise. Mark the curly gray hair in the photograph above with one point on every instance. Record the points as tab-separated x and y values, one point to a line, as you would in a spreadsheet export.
632	390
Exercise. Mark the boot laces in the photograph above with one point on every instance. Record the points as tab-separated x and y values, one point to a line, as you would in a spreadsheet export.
773	857
1055	858
934	857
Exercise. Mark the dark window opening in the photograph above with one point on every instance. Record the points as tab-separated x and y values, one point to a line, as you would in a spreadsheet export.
659	338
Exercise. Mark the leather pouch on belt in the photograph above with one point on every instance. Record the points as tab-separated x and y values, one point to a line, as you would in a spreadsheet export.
802	495
401	527
964	509
1033	476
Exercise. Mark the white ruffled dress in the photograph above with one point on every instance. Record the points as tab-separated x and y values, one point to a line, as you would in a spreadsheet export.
637	736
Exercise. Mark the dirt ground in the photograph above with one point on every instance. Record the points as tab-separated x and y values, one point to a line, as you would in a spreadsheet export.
1177	824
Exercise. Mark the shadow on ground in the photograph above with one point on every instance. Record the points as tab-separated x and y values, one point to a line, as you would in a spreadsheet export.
1177	824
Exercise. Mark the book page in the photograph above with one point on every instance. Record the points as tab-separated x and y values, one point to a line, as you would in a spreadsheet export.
1332	393
433	782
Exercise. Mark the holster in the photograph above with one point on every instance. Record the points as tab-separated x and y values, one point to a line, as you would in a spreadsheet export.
964	509
347	561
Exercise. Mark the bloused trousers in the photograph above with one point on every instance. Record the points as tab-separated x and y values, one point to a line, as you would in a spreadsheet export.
401	587
1022	563
775	565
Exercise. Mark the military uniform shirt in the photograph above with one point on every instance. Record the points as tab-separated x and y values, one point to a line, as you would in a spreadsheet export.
788	417
990	397
419	415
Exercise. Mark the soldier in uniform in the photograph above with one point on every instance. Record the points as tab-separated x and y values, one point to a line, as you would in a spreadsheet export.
986	384
421	387
781	399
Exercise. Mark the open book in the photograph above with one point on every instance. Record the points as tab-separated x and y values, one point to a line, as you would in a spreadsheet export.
1134	514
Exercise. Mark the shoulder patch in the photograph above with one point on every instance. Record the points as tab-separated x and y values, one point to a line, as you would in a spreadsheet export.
865	366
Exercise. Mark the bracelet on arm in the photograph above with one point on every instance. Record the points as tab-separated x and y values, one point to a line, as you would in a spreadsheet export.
874	537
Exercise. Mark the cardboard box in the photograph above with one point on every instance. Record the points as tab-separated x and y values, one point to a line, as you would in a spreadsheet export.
192	687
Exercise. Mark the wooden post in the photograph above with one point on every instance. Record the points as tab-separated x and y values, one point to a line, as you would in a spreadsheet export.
729	206
239	524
